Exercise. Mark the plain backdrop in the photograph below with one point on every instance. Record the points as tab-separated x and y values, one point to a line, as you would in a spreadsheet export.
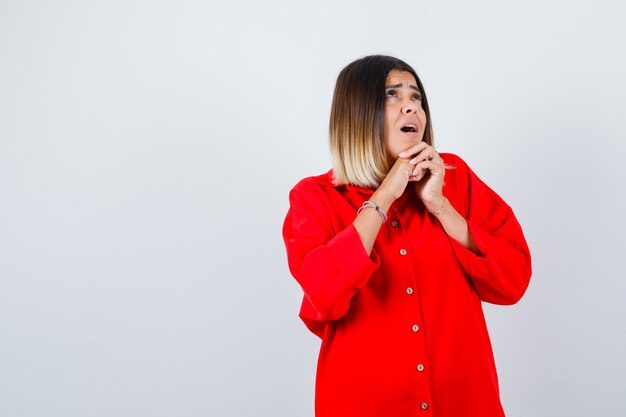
146	154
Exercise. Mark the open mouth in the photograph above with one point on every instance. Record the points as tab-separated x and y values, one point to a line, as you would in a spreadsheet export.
409	128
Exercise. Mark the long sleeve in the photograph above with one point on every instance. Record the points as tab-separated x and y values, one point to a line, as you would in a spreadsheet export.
502	272
329	266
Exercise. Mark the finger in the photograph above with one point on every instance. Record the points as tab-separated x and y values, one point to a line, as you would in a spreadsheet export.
413	150
427	153
432	165
401	168
418	172
426	166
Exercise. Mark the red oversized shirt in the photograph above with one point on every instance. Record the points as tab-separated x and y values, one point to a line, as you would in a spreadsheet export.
403	331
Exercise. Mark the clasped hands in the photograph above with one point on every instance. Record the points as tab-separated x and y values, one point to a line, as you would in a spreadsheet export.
422	166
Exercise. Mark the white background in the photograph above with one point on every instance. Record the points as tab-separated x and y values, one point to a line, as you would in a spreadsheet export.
147	150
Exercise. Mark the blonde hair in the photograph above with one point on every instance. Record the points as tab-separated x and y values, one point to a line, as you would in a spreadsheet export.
357	120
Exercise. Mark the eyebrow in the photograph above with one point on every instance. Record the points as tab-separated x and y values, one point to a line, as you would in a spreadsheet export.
412	87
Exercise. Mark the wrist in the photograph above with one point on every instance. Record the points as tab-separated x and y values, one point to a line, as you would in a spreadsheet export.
383	199
435	204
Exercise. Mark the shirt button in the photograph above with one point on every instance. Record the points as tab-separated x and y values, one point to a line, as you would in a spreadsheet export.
409	290
420	367
402	252
415	328
424	406
394	223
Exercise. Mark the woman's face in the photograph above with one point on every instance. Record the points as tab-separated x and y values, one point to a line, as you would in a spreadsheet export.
405	120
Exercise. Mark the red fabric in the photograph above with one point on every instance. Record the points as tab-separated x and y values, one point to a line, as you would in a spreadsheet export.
360	308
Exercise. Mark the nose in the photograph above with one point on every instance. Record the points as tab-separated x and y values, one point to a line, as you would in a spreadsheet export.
409	108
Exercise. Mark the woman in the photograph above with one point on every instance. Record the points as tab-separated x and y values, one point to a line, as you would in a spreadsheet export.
394	261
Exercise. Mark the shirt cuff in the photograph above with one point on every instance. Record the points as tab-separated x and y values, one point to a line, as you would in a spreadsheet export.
472	263
350	257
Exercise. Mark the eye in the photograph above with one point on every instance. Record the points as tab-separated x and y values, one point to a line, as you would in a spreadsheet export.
391	93
417	96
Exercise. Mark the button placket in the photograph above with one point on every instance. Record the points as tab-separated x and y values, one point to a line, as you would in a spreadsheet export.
413	314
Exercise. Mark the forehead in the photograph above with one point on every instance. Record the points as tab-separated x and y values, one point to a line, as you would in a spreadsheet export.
400	77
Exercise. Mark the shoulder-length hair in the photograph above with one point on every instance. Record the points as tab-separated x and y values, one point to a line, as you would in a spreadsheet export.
357	120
